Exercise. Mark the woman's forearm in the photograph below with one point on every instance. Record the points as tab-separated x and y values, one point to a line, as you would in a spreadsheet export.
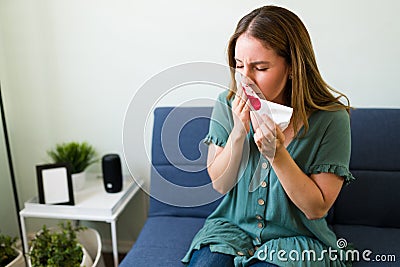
223	165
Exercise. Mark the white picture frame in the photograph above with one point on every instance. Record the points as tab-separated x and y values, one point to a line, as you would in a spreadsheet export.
55	184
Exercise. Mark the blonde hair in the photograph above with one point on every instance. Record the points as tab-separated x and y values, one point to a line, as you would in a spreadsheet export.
281	30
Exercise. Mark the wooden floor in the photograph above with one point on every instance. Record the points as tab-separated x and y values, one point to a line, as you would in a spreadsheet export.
108	259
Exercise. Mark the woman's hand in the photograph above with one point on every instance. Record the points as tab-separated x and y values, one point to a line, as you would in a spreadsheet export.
241	114
267	135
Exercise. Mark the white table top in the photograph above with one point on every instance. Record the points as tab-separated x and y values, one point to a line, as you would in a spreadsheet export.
91	203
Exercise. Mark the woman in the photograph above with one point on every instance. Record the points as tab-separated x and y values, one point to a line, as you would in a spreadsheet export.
301	169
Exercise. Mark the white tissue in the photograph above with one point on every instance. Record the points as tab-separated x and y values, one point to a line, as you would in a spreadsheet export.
279	114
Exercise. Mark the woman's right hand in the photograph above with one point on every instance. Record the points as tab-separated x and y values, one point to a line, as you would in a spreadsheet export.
241	114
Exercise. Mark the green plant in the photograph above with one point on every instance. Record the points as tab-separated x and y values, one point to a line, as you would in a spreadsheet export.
78	155
57	248
7	251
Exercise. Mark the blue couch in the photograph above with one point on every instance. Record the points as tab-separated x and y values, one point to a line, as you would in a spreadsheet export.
365	214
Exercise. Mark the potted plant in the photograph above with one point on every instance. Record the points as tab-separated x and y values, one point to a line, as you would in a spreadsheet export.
58	248
78	155
10	256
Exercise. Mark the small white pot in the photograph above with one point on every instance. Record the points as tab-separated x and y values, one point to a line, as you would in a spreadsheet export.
78	181
90	239
86	259
19	261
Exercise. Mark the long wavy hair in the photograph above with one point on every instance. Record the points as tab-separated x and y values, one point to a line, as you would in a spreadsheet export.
281	30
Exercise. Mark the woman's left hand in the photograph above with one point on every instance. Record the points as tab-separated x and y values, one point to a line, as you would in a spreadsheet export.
267	135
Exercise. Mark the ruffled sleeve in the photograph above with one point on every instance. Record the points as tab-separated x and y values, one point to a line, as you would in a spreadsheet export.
333	155
221	122
215	140
342	171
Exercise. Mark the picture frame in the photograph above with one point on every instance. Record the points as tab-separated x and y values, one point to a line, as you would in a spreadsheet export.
55	184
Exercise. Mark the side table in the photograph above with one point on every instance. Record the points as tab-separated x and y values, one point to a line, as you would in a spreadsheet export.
92	203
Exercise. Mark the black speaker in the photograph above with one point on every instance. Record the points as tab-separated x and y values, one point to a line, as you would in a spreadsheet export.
112	173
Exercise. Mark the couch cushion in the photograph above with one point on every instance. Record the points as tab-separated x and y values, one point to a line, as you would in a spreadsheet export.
372	198
375	139
190	194
178	135
180	185
163	241
381	241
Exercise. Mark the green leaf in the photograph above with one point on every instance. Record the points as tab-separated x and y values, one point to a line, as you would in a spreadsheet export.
57	248
7	251
78	155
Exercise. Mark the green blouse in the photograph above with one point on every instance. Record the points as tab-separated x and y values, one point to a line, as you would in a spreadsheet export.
256	219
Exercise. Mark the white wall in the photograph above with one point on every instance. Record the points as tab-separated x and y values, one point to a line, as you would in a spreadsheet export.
8	219
70	68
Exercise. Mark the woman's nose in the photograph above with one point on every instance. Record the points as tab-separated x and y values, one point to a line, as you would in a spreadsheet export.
247	76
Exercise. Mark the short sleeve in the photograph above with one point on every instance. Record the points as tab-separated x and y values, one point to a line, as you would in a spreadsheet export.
333	154
221	122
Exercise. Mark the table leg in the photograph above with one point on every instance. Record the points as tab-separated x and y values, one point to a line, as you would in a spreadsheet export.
114	241
24	238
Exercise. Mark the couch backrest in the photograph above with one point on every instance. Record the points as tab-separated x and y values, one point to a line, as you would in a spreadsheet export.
179	158
373	198
180	185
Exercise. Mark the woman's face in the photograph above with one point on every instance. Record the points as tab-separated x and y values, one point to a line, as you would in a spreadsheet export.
263	67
